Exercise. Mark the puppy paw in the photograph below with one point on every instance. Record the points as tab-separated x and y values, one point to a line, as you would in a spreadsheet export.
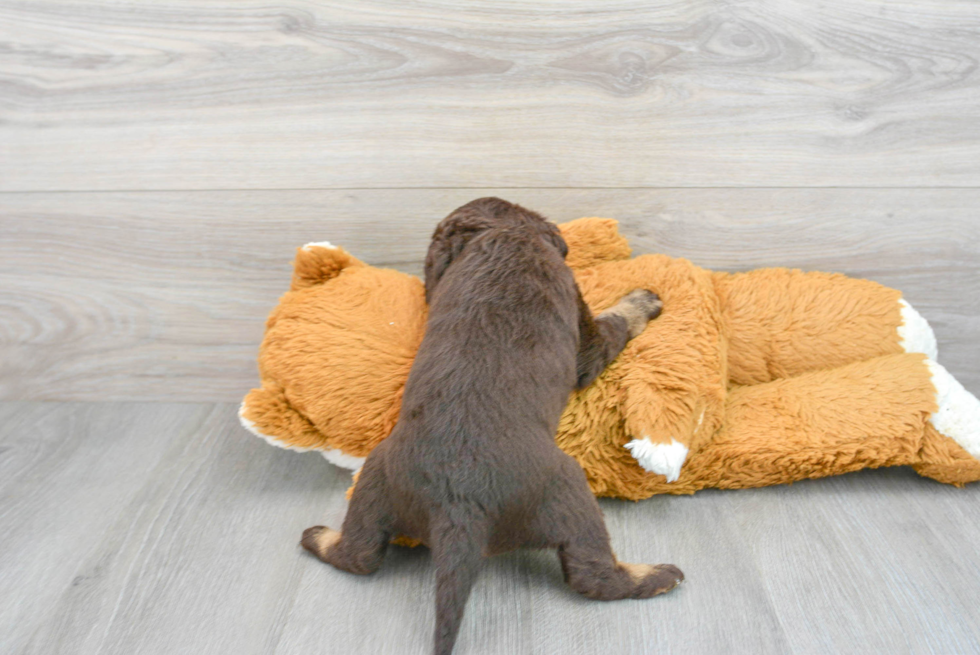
637	308
319	539
652	580
645	301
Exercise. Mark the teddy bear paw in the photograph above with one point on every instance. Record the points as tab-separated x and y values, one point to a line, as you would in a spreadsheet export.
958	415
663	458
915	334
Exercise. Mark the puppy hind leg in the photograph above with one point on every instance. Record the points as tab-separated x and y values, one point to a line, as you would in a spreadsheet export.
360	546
571	520
592	570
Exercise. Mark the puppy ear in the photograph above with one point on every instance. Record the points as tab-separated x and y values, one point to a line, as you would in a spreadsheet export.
448	241
554	238
442	251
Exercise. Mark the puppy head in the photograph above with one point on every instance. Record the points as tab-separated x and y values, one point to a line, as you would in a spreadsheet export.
464	223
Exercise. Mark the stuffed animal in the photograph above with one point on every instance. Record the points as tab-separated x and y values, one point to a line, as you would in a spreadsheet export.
745	380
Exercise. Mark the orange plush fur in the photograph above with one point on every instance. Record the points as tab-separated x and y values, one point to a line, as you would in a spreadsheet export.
745	380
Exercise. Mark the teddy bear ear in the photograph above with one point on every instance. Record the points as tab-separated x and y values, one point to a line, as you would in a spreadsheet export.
266	413
592	241
318	262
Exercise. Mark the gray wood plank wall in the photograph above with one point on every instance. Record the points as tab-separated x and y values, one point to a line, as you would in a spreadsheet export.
163	295
117	292
160	161
185	94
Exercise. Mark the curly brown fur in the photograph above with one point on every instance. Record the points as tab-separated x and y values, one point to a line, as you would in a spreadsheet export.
472	469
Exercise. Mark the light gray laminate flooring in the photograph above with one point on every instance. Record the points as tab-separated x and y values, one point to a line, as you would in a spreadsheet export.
160	528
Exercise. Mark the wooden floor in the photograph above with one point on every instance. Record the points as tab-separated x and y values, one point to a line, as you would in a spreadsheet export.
161	160
161	528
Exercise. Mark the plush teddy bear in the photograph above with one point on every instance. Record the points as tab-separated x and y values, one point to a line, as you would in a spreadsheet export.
745	380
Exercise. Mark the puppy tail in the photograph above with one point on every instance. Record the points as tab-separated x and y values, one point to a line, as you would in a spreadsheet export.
456	552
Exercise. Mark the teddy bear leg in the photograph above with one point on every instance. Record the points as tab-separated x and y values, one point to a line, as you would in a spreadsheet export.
951	444
360	546
864	415
570	519
783	323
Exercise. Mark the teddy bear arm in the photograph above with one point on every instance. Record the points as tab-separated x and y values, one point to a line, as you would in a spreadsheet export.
673	418
664	437
669	381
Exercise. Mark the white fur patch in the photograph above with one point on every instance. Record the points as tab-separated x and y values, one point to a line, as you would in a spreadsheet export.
339	458
335	456
320	244
958	416
915	334
665	459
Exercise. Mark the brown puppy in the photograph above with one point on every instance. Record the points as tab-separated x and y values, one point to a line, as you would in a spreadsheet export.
472	469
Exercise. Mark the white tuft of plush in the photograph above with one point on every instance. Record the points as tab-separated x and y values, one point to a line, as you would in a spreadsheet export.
915	334
663	458
339	458
958	416
272	441
333	455
320	244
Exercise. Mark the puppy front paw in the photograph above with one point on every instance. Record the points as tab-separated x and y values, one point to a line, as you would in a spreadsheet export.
637	307
645	301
